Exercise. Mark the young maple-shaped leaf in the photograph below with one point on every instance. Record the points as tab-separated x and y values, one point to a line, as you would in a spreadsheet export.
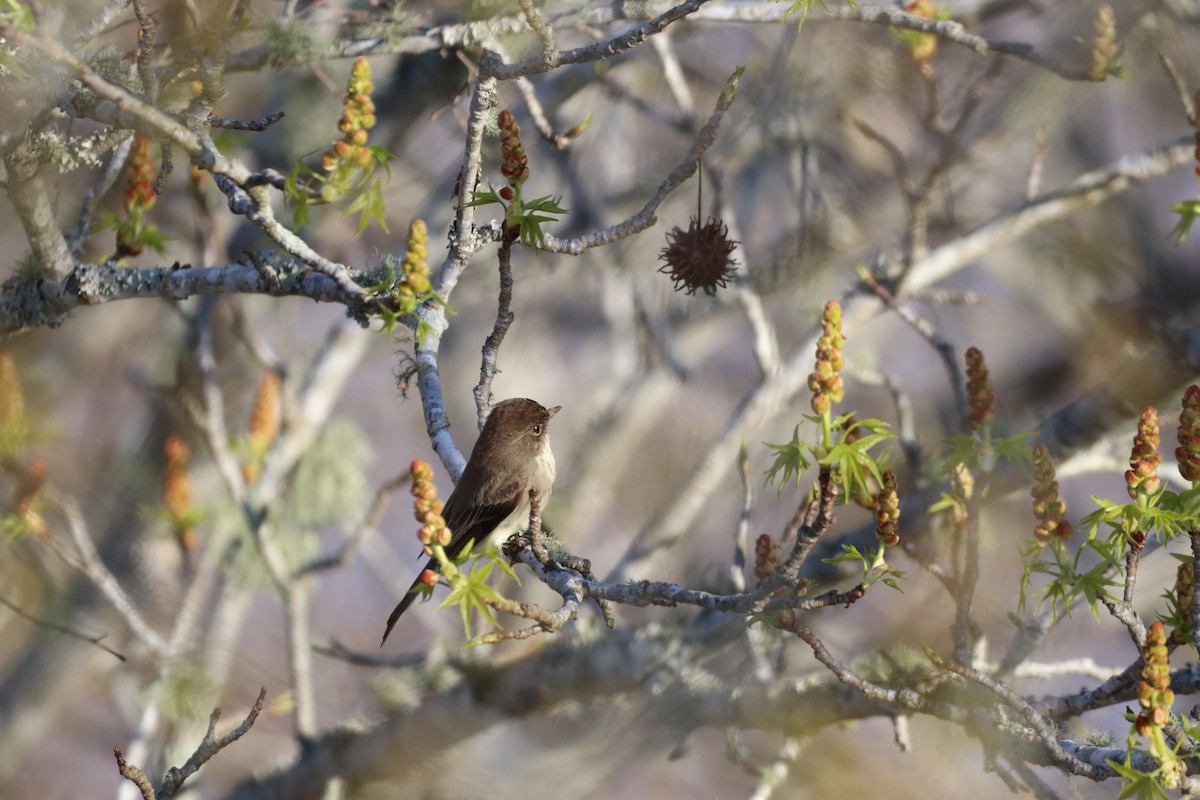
1187	210
370	206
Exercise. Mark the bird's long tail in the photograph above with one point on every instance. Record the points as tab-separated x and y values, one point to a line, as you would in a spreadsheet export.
406	601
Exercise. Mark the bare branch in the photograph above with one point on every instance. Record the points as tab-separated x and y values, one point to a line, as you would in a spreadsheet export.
96	640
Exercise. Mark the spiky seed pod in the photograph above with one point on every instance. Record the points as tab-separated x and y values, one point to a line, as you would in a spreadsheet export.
887	511
1141	479
700	257
825	382
1048	507
1188	452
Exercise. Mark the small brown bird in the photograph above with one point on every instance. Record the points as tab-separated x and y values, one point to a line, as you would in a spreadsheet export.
491	500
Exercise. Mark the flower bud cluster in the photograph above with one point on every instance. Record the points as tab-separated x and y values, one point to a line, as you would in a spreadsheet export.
427	509
358	117
515	166
1104	46
1048	507
1155	697
887	511
825	382
264	422
921	46
414	282
981	398
139	177
1141	479
177	491
766	557
1188	452
29	498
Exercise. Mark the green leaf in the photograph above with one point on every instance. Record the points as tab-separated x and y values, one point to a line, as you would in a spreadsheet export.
371	207
484	197
790	458
1187	210
803	8
1136	783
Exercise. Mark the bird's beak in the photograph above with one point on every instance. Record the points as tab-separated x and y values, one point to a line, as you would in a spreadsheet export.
553	411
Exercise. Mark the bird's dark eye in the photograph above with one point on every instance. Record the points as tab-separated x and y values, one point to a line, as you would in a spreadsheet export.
537	430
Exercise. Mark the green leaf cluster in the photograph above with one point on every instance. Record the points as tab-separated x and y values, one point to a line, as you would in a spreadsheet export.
802	8
875	568
305	187
526	217
846	451
134	233
467	576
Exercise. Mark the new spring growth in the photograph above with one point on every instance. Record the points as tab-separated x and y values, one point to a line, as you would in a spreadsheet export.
1155	697
132	234
1141	479
139	177
264	423
13	426
766	557
28	500
887	511
981	399
1048	507
825	382
1154	692
1104	46
515	165
177	491
414	282
921	46
1188	452
427	508
350	153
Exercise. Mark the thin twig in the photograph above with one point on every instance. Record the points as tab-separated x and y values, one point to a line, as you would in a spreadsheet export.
940	344
1181	90
964	644
96	640
366	528
741	538
1039	723
260	124
504	319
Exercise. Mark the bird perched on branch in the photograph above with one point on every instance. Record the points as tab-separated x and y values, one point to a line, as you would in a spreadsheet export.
491	500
